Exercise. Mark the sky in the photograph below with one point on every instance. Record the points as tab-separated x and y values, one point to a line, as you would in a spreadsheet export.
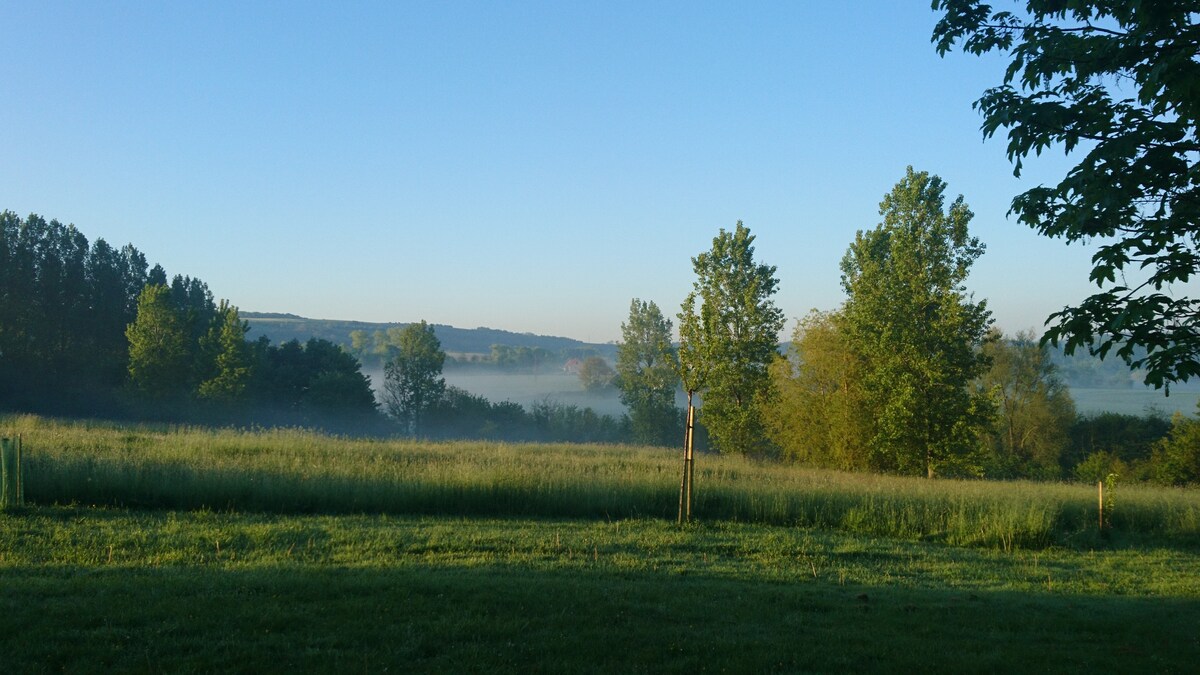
527	166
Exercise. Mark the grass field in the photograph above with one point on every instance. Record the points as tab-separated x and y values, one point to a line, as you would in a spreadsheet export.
157	549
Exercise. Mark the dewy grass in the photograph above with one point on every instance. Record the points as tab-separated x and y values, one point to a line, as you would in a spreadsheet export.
115	590
293	471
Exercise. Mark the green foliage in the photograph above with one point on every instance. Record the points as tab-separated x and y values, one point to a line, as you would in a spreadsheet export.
1097	466
460	414
64	307
527	359
314	384
727	346
1034	411
647	374
916	331
1116	81
159	358
412	377
1176	458
1109	438
820	416
232	364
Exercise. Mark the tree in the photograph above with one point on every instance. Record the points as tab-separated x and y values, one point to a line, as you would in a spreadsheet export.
916	331
1176	458
595	374
819	415
231	359
315	383
1117	80
159	358
646	374
726	347
1034	410
412	377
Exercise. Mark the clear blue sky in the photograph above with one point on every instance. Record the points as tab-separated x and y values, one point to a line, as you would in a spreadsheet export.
518	165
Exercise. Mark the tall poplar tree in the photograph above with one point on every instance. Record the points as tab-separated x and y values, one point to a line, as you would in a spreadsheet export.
917	331
731	339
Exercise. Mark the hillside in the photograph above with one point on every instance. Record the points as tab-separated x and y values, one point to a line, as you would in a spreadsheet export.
283	327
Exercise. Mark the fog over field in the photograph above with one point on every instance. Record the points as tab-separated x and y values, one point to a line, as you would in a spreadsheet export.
523	388
565	388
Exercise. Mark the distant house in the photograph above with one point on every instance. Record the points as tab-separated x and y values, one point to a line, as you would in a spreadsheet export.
572	366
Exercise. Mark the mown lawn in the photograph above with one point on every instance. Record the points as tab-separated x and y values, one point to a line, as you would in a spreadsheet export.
112	590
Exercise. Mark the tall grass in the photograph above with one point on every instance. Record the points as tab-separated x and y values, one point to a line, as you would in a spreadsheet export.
293	471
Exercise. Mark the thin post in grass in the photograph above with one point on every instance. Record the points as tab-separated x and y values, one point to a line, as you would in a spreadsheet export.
1100	493
685	485
12	491
691	458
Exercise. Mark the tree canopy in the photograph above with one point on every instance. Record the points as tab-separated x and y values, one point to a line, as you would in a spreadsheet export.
159	362
1117	81
412	377
1034	410
915	330
726	346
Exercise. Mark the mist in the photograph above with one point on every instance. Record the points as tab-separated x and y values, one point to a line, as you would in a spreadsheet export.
524	388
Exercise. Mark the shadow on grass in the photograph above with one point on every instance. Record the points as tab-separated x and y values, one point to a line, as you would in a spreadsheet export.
509	619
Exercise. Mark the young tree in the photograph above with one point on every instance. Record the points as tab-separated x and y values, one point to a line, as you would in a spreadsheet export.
646	374
727	346
1117	79
159	358
1034	411
819	415
412	377
915	329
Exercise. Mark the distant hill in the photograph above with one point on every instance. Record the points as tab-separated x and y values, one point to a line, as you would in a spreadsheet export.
283	327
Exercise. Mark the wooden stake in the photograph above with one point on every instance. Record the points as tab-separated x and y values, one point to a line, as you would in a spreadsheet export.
691	457
685	483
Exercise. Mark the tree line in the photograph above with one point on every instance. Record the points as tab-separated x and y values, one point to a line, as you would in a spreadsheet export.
908	376
88	329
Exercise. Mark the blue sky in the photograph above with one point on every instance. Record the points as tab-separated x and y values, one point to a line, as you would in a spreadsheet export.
519	165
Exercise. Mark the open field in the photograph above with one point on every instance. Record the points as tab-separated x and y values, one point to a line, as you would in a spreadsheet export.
150	549
286	471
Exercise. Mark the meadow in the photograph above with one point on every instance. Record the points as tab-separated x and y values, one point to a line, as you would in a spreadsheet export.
148	548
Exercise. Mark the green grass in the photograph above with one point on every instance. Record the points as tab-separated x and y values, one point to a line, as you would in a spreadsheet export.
289	472
110	590
151	549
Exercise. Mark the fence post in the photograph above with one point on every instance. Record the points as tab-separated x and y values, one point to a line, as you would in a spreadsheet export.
12	491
